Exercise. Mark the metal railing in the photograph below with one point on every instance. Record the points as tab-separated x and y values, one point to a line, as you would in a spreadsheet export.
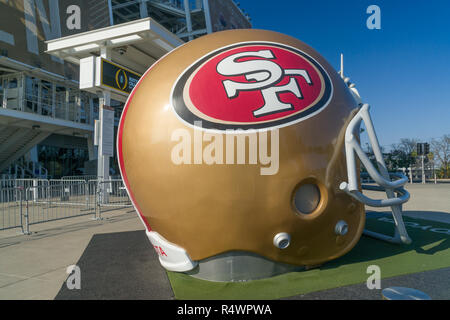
25	92
112	193
11	207
25	183
83	177
27	203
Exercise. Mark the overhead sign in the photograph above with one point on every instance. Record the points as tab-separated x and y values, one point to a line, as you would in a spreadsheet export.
117	77
423	149
107	128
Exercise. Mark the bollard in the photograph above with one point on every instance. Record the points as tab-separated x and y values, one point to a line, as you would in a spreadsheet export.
26	229
20	209
97	213
410	175
35	190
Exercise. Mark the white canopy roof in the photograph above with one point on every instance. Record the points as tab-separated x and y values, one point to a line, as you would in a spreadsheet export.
135	45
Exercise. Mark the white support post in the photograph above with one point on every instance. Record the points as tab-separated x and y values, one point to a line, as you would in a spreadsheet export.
423	170
103	167
434	173
103	160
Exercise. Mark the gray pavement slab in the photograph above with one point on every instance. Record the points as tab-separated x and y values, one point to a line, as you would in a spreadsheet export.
120	266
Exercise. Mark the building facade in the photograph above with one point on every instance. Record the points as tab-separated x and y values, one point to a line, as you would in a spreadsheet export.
46	121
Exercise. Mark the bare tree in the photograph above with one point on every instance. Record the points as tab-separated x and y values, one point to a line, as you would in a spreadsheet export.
402	154
406	145
441	150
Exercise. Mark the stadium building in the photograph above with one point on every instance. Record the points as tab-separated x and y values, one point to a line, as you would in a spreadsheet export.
49	108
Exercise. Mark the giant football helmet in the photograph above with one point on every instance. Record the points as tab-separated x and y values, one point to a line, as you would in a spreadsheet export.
240	153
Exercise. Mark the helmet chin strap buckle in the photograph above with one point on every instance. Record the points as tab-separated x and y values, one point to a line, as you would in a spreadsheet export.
380	176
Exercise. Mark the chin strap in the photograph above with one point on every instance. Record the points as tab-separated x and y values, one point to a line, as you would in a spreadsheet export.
380	176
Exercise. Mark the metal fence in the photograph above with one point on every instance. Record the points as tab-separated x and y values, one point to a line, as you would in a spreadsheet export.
30	201
25	183
11	207
83	177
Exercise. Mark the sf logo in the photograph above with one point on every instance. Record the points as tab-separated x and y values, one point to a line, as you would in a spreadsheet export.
262	75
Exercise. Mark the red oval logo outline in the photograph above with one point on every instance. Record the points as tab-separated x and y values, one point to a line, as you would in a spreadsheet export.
251	85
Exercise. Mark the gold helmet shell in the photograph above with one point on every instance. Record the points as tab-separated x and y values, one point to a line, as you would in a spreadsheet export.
211	89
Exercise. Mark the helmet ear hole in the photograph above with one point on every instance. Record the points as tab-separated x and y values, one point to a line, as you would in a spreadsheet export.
307	198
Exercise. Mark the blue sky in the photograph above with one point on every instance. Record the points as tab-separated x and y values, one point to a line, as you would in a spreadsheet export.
402	70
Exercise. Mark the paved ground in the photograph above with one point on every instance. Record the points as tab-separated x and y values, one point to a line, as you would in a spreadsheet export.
435	283
34	266
133	272
429	201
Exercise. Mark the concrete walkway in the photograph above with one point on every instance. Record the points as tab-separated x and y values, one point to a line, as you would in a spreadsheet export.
428	201
34	266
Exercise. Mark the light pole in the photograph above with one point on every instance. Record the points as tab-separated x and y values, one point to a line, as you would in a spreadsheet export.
423	170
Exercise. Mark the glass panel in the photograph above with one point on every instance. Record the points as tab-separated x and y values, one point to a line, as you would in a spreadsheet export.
62	161
12	83
46	98
60	102
84	108
96	108
72	105
124	12
31	94
12	94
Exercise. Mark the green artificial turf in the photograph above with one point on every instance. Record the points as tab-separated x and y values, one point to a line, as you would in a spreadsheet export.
430	250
